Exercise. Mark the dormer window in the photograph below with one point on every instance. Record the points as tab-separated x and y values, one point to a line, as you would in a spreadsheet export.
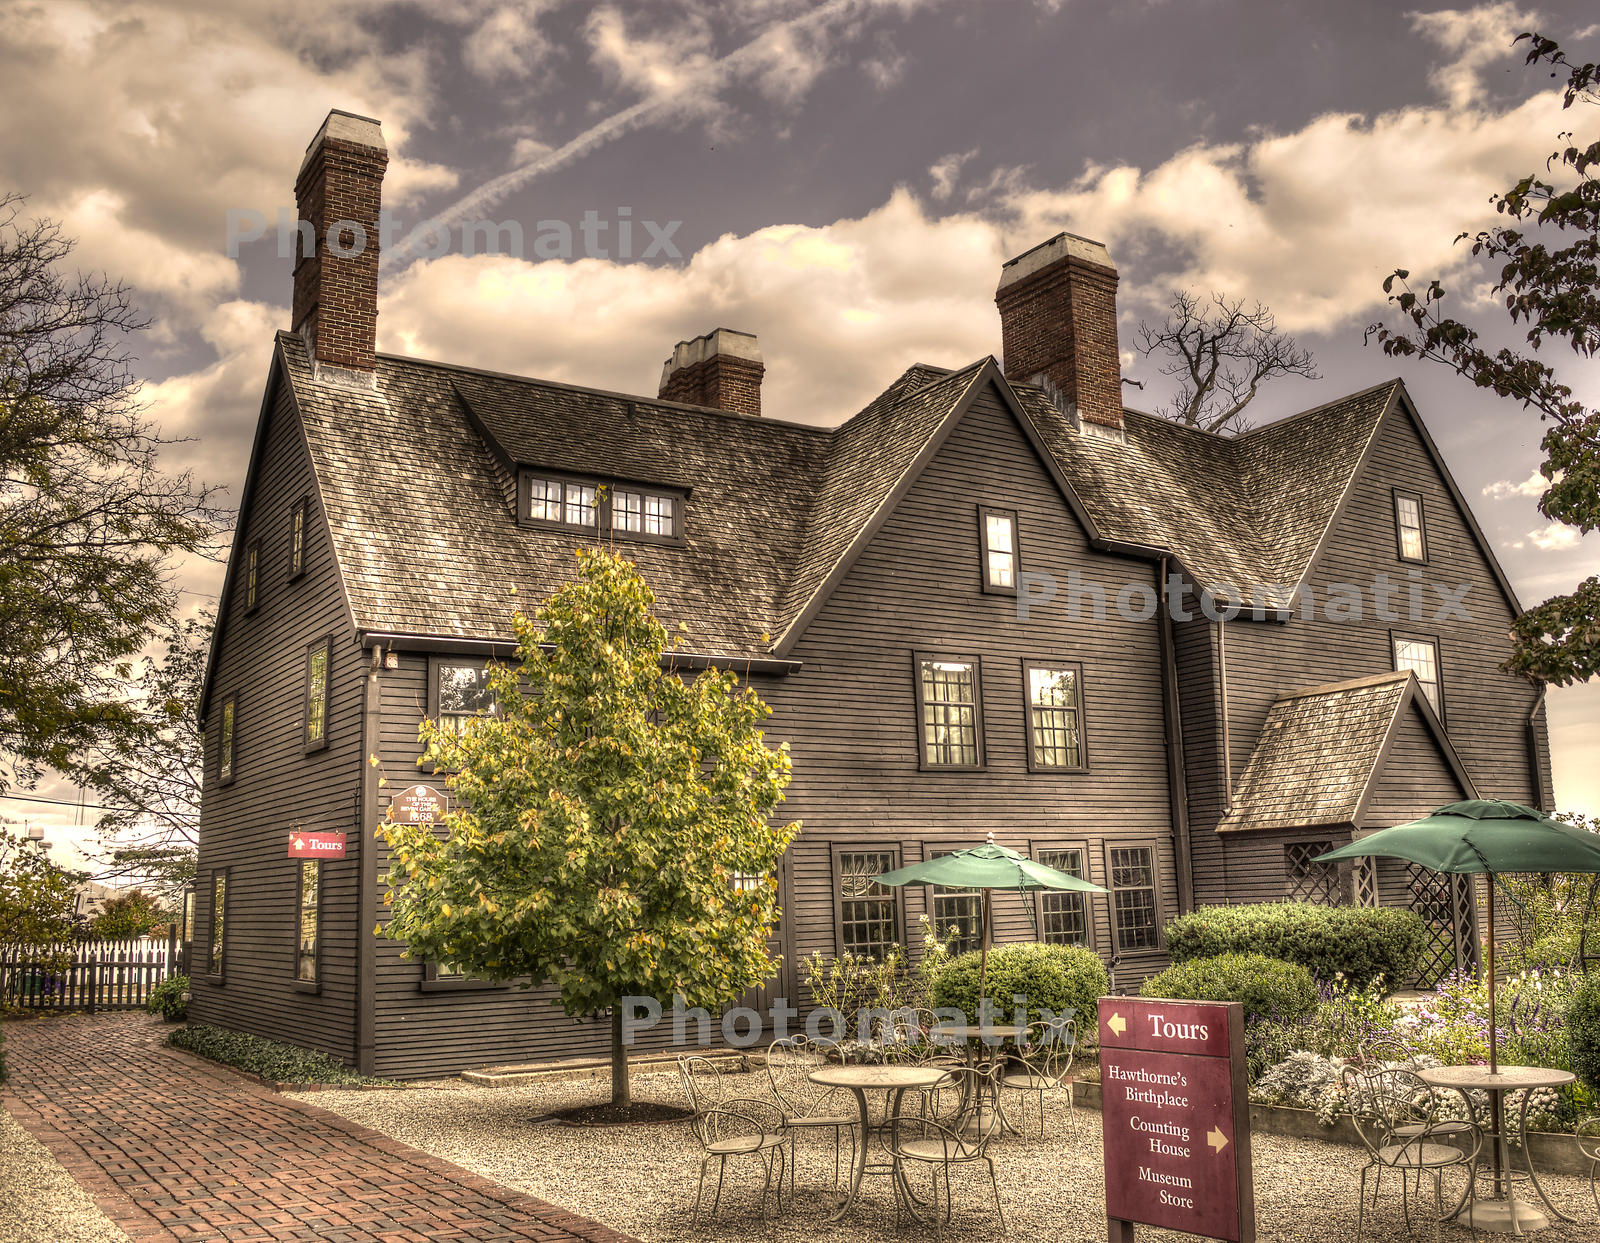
603	507
997	528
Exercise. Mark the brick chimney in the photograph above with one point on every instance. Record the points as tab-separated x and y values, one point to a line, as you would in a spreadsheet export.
722	369
336	286
1058	328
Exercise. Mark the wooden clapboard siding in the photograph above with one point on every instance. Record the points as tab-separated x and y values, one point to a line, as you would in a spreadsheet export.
244	825
1415	777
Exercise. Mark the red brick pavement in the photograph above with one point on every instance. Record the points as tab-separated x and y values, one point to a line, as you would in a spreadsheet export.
173	1147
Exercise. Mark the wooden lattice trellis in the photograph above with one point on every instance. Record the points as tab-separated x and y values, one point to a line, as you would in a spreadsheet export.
1306	880
1449	912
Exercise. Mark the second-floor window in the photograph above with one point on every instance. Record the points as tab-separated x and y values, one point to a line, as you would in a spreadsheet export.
643	513
1421	656
297	539
230	716
1055	716
563	502
318	658
948	699
252	576
1409	535
999	530
463	692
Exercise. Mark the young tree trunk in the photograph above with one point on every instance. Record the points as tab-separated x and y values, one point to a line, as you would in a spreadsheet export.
621	1094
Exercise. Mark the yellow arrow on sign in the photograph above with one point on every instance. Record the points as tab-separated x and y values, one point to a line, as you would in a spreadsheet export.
1117	1024
1217	1139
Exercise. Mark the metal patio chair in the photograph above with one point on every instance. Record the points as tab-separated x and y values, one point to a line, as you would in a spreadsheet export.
1042	1066
1396	1116
1587	1133
939	1141
805	1106
735	1127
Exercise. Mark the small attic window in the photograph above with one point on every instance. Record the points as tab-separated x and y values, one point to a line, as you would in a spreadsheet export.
606	508
998	530
1409	534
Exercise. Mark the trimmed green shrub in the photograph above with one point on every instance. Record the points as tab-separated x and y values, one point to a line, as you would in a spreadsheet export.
277	1063
1583	1032
167	998
1362	942
1051	977
1270	988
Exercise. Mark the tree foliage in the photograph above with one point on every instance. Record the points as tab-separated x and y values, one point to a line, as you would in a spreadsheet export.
88	522
1548	252
611	834
38	897
1222	352
148	779
126	915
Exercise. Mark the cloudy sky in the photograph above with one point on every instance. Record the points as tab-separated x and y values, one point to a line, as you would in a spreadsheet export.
846	178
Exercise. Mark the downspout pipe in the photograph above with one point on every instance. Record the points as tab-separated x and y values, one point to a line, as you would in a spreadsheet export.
1535	758
367	871
1177	779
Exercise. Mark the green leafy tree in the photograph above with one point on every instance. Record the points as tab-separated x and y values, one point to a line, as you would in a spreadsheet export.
38	897
1548	253
612	833
149	779
127	915
89	523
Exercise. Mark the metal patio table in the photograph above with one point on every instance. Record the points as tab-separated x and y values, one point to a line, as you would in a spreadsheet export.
896	1080
1505	1213
989	1044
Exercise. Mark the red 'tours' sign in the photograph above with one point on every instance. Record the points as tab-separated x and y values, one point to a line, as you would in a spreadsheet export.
1176	1113
316	845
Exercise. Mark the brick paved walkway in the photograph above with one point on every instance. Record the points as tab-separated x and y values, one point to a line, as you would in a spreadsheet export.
173	1147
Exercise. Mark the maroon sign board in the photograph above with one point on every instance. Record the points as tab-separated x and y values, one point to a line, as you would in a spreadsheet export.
1175	1106
316	845
419	804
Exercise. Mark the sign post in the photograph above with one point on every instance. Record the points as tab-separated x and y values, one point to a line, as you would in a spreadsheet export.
1175	1106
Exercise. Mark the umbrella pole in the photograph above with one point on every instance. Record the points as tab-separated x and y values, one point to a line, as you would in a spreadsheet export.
1494	1060
983	958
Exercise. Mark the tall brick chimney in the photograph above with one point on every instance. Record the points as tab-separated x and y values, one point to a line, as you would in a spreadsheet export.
721	369
336	286
1058	327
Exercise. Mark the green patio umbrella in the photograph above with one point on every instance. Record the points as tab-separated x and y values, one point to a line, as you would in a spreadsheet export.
984	868
1482	836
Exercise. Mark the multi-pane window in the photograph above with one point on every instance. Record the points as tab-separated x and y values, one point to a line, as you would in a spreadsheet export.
219	910
999	528
642	513
1421	656
1055	716
1063	913
947	693
305	968
1306	880
1408	527
252	569
544	500
316	716
869	913
755	882
1133	898
188	916
581	509
464	693
957	914
230	714
297	540
566	502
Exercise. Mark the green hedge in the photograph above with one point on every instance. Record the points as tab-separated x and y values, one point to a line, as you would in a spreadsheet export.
1583	1032
166	998
279	1063
1269	987
1050	977
1361	942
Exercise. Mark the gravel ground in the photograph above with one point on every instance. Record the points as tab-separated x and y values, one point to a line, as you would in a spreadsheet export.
641	1179
39	1201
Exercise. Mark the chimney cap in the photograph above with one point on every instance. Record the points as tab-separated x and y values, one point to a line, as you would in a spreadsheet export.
1061	246
728	342
348	127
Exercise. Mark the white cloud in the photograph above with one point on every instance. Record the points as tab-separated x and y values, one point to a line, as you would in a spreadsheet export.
946	170
1502	489
1554	535
507	43
1474	39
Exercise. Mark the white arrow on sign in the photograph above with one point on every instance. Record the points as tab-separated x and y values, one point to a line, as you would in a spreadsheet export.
1217	1139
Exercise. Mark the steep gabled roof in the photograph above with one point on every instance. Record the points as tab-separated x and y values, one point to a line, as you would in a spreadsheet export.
1321	752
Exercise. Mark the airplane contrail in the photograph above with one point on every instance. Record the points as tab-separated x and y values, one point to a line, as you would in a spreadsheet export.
471	205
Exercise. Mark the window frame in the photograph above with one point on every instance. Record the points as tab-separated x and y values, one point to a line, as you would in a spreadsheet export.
933	850
991	587
1030	663
228	739
313	985
252	577
438	661
606	489
299	516
897	894
1153	845
920	658
433	982
1399	494
1397	637
325	644
217	946
1039	846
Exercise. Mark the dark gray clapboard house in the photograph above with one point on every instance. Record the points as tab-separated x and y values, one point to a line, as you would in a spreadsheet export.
916	591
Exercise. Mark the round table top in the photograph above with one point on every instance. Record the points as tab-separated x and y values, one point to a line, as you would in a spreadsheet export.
1507	1079
973	1031
886	1077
